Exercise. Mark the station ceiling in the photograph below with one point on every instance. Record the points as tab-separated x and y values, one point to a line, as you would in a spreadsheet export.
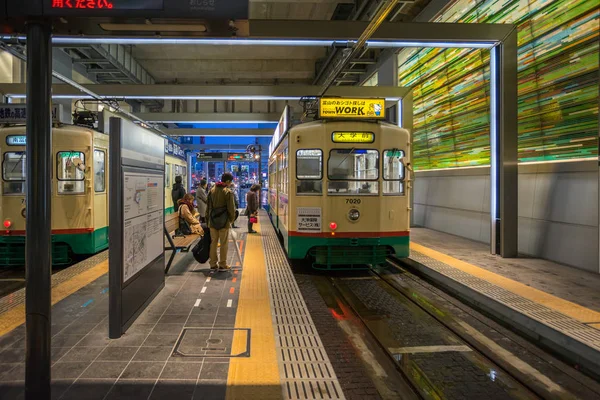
265	65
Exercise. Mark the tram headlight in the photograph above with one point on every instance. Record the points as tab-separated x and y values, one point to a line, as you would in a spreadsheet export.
24	213
353	214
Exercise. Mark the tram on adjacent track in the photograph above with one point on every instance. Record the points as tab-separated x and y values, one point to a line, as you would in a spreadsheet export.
339	191
80	188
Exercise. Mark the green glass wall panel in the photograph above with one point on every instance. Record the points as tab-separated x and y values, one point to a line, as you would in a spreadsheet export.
557	78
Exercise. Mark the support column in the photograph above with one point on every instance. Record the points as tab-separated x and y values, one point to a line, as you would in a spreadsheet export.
38	197
504	172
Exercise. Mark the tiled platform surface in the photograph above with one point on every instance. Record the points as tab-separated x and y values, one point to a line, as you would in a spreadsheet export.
142	364
572	284
558	303
207	335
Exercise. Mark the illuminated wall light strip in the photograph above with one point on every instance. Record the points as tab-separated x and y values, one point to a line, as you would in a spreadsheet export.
494	80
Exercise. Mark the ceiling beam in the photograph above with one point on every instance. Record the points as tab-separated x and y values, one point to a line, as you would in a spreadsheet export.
167	117
218	132
199	92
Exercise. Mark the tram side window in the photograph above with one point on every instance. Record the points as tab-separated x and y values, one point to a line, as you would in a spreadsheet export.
71	172
309	171
353	171
13	173
99	171
393	172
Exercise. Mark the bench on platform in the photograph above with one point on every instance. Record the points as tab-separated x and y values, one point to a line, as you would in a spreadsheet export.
176	242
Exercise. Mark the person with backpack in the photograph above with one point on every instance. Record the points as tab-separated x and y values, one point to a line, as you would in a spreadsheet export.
187	223
252	206
220	213
178	191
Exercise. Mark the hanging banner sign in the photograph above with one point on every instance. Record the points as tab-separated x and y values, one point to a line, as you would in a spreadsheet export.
17	113
239	157
107	4
210	156
353	137
352	108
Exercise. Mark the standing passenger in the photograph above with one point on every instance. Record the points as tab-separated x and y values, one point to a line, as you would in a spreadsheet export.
252	205
220	213
178	191
202	200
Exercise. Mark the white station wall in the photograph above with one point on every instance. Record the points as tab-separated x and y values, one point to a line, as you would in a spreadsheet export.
558	208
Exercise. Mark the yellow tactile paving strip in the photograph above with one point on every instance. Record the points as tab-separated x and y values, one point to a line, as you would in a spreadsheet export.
255	377
575	311
15	317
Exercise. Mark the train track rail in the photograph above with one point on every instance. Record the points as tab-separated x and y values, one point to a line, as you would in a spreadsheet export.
440	353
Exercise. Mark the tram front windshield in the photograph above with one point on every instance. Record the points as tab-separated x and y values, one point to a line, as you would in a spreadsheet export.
353	171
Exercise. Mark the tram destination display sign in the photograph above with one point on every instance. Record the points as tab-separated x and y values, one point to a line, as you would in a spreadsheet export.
353	137
345	108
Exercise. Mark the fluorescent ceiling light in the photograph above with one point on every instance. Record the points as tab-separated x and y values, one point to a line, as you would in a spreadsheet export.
211	122
254	42
266	42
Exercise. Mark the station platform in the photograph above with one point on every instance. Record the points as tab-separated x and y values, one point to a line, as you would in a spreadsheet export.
266	330
238	334
555	305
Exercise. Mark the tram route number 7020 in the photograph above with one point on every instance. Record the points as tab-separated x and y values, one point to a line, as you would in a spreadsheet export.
353	201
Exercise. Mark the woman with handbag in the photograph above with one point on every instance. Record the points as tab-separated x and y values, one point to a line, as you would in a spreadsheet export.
252	206
186	216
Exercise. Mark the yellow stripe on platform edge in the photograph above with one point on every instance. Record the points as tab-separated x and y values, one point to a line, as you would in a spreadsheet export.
566	307
15	317
257	376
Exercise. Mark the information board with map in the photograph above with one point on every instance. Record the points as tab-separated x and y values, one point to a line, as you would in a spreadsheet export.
136	225
143	221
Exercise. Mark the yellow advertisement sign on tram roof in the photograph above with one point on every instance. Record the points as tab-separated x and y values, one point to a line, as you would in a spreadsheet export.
352	108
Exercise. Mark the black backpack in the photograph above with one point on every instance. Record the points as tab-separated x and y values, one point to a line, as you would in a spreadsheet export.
201	250
218	216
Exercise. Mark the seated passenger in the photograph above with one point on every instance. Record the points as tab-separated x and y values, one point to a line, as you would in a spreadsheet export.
186	212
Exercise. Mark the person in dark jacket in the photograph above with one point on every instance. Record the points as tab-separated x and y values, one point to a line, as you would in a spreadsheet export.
252	205
178	191
220	196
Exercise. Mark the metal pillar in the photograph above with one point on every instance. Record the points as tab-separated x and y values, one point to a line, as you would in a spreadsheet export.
38	228
504	172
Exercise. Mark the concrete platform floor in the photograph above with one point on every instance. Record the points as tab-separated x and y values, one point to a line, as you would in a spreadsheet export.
572	284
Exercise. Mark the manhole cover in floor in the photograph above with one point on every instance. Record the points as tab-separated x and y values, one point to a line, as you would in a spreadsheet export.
213	342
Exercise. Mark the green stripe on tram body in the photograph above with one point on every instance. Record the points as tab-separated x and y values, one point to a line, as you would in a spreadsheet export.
12	248
334	253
